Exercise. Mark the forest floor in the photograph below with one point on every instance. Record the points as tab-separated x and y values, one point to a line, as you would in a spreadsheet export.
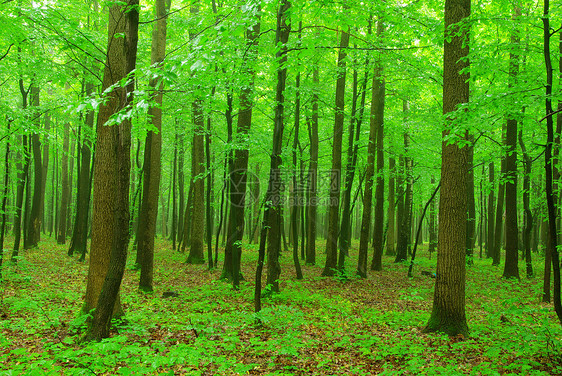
317	326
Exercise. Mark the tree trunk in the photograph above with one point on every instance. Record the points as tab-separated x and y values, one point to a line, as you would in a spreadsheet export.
391	214
405	225
152	153
490	236
275	179
550	194
296	206
111	176
369	173
197	242
174	192
378	234
448	313
45	170
238	174
273	197
312	179
471	202
79	239
335	173
528	216
432	227
355	122
35	216
5	195
63	208
511	269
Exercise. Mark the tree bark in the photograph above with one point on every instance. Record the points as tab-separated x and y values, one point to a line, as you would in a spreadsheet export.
272	197
275	207
112	176
550	194
152	153
63	208
5	195
197	242
378	234
35	217
491	199
238	174
312	178
79	239
391	214
511	269
448	313
335	173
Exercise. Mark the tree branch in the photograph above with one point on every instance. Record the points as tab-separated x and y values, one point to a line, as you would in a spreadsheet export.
7	52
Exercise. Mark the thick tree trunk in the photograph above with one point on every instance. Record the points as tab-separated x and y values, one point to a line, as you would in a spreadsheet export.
335	178
110	222
448	313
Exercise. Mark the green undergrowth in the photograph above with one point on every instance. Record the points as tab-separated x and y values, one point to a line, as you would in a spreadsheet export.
316	326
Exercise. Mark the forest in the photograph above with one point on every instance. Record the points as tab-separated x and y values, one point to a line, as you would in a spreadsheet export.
281	187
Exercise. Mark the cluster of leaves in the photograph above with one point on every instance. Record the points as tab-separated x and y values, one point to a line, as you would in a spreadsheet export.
314	326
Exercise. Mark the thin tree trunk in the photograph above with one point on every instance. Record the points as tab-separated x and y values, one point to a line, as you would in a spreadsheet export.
511	269
312	179
355	123
238	174
272	198
63	209
335	178
152	154
5	196
550	194
79	239
490	238
391	214
275	207
35	217
378	234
